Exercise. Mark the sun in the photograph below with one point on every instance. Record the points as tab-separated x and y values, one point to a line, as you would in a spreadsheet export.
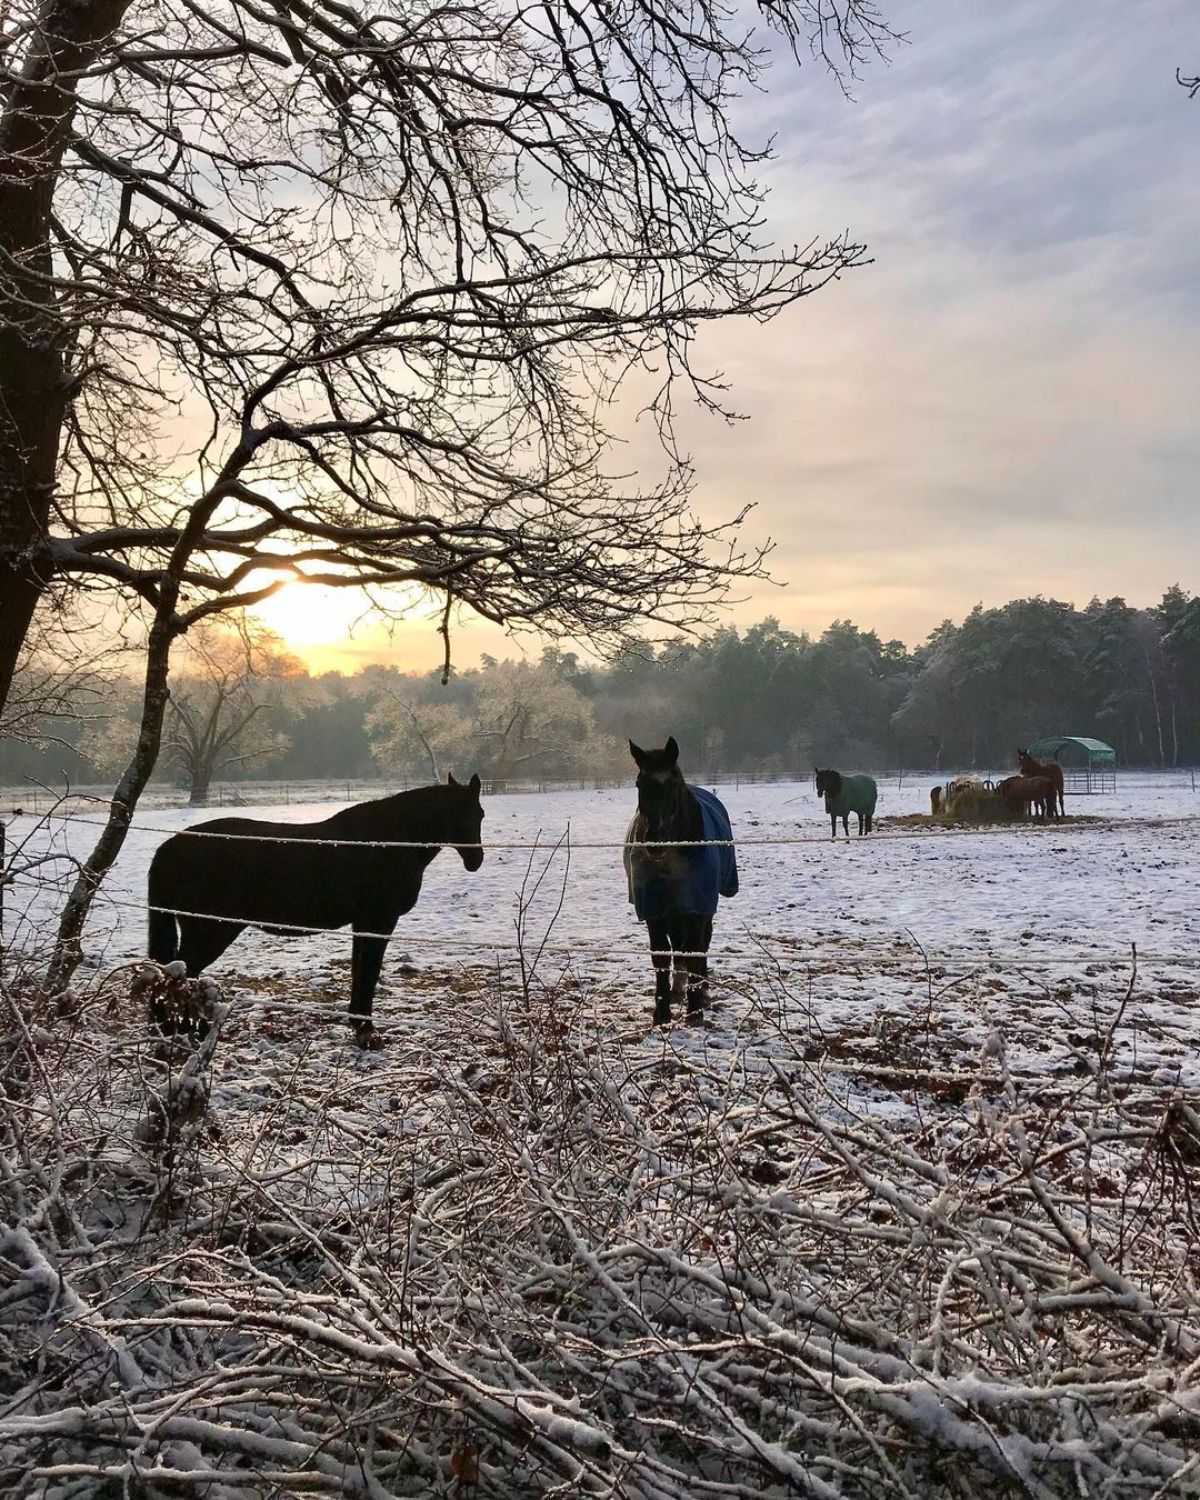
342	630
308	615
336	629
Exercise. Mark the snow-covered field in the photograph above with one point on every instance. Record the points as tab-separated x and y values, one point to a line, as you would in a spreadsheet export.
912	1214
910	942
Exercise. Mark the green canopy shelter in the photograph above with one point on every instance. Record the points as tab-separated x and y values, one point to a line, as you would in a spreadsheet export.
1088	765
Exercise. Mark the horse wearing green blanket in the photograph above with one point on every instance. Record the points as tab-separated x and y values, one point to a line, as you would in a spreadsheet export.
845	795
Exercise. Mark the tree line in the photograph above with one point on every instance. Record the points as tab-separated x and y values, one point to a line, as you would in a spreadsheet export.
757	699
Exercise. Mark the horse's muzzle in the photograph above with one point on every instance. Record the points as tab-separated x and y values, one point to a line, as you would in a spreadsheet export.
472	857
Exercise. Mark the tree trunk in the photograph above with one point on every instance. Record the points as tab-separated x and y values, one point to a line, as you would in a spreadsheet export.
35	125
68	950
201	782
1162	753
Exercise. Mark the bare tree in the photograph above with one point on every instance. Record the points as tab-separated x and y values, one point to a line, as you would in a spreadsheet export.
220	711
64	676
308	289
515	718
382	264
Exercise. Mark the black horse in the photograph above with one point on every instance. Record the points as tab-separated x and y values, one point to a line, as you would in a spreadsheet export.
675	890
289	878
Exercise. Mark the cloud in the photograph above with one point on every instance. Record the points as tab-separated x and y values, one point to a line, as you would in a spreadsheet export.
1005	401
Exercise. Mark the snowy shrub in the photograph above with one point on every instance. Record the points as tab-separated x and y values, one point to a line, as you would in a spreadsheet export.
510	1255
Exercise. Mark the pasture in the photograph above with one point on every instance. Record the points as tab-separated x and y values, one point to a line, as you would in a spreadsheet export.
1027	927
909	1213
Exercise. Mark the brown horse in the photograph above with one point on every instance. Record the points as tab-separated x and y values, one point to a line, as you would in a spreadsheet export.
1020	793
1050	769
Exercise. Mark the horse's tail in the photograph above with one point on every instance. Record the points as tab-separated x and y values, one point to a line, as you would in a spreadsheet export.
163	938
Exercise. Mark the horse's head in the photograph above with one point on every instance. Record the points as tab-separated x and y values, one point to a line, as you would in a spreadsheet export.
466	818
661	788
829	783
1025	760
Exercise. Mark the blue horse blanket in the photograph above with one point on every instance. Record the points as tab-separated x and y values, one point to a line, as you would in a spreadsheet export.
665	881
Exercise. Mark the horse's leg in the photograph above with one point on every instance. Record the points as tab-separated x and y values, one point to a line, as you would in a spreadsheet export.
660	957
845	825
833	825
699	936
365	963
679	930
202	940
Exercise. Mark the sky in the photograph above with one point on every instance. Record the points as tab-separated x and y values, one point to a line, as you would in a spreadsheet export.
1005	402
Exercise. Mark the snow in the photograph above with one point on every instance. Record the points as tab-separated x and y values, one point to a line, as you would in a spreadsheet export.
539	1233
912	948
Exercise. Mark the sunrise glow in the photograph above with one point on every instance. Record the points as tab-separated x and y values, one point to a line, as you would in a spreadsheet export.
340	630
309	616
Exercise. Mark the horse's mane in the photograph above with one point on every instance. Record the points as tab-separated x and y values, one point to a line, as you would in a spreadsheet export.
402	810
685	821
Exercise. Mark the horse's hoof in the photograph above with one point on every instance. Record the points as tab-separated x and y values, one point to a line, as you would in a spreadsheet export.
368	1038
662	1016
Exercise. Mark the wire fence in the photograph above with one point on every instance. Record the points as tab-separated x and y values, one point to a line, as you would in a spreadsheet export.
36	797
765	947
768	947
458	948
303	834
32	873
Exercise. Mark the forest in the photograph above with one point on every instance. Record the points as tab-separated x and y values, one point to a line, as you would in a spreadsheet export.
758	699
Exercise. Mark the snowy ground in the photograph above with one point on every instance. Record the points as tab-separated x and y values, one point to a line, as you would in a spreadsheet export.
911	1214
907	950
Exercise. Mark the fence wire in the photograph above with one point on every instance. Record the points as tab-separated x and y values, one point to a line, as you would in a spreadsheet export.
545	844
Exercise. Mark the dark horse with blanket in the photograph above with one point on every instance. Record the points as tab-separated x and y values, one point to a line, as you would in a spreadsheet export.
674	889
213	880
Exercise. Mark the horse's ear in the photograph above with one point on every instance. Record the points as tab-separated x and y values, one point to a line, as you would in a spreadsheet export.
637	752
475	783
671	750
451	780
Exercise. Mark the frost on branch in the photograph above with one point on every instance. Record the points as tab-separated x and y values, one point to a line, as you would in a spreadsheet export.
521	1255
